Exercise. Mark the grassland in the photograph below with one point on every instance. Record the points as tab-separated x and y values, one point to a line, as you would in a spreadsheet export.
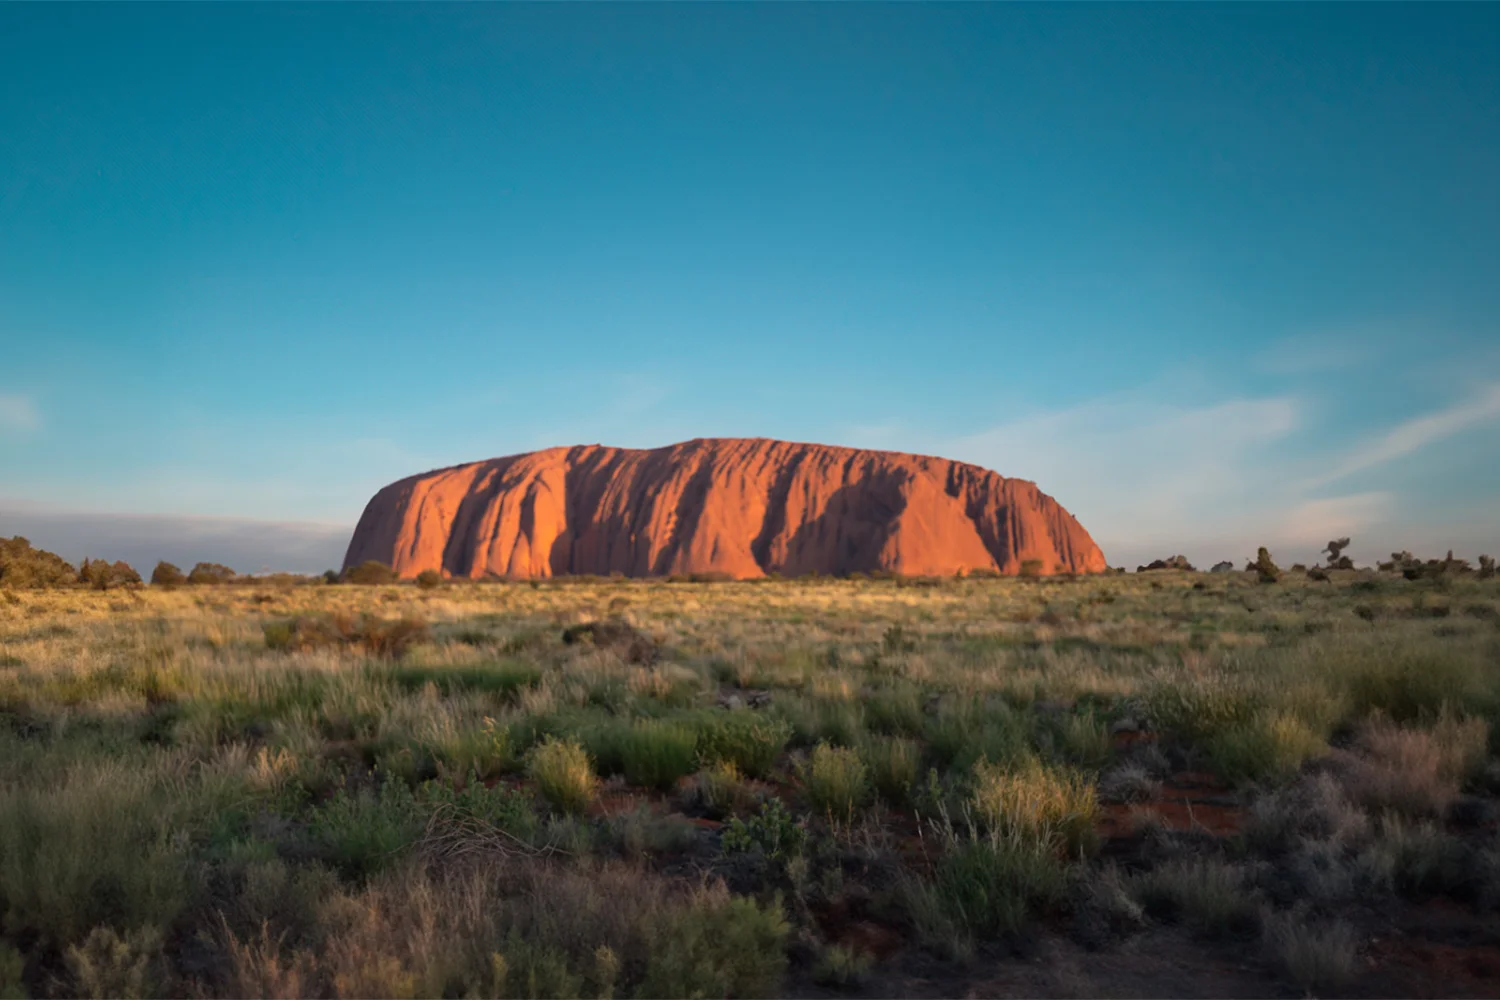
1157	784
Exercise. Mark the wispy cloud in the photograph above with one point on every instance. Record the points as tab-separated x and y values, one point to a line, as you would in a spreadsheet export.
1140	472
1150	477
18	413
1416	433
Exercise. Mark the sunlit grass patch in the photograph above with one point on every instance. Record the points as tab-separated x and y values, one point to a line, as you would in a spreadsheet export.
563	774
1056	806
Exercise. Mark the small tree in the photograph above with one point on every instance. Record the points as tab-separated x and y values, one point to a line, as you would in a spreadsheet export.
101	574
1486	567
1269	572
210	573
429	578
1336	557
167	575
22	566
370	572
1031	569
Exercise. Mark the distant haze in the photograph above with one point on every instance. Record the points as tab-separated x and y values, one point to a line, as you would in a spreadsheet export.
244	546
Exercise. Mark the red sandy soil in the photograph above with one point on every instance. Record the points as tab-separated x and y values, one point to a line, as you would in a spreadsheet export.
743	508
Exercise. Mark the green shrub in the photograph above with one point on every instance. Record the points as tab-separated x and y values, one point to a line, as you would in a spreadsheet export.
721	789
658	754
751	741
721	946
1194	709
836	780
1409	680
95	846
483	753
497	806
363	831
563	774
1053	806
960	737
997	885
774	832
893	765
429	579
1208	896
1269	747
895	711
504	678
1082	739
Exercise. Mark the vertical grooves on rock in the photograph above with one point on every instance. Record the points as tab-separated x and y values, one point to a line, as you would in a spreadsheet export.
743	507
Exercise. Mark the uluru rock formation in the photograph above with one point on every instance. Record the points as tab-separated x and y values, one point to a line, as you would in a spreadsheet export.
735	506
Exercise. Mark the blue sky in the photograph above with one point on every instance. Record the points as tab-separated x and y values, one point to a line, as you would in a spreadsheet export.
1214	276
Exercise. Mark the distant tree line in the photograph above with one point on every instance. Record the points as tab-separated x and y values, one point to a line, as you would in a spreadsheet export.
23	567
1266	570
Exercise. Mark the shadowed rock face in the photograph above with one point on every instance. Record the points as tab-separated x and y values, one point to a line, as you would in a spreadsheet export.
742	507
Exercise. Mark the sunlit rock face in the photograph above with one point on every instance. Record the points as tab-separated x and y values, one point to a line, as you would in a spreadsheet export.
739	507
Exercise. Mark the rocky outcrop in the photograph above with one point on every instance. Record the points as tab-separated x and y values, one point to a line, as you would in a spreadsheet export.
739	507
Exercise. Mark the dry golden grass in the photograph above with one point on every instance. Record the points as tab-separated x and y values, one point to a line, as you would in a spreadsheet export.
404	791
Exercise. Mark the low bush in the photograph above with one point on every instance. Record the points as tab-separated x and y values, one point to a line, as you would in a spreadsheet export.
92	847
1056	807
773	831
997	885
836	780
429	579
370	573
563	774
1269	747
1317	957
210	574
893	763
1416	772
167	575
376	636
363	831
751	741
1206	895
658	754
721	789
23	567
720	946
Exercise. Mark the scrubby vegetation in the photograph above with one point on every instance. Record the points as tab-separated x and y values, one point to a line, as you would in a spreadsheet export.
591	788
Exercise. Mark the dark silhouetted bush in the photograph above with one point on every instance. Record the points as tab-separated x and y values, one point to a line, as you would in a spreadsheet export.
101	574
1171	562
210	573
23	567
369	573
1486	567
167	575
1031	569
1335	552
1268	571
429	578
